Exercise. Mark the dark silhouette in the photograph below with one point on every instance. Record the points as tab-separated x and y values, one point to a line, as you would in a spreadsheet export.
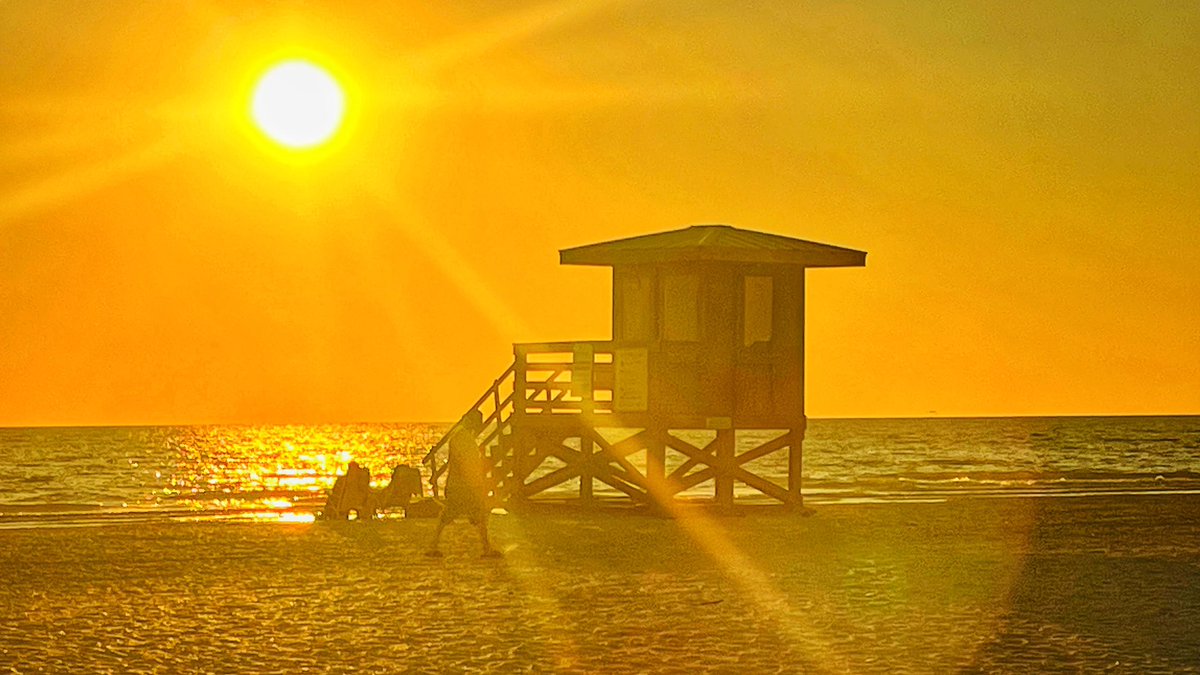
466	490
351	492
707	335
404	485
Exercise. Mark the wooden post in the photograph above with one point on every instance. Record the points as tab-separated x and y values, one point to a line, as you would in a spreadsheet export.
656	466
586	450
520	434
796	464
496	409
725	461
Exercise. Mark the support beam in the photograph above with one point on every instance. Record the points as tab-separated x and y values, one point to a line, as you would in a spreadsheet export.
625	446
556	477
620	482
656	463
586	450
523	445
796	465
724	467
696	478
757	482
783	441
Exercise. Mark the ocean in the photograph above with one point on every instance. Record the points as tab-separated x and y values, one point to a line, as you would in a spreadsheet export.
63	477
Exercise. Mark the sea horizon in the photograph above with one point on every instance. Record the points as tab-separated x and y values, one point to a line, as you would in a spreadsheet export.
147	425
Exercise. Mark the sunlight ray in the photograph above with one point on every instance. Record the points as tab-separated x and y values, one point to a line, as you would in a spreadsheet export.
525	567
452	263
59	189
752	580
600	95
712	537
75	139
75	106
107	116
511	28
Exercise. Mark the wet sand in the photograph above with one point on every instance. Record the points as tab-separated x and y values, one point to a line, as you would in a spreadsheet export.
992	585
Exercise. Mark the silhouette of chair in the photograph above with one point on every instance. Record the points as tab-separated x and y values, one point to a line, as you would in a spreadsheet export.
351	492
404	485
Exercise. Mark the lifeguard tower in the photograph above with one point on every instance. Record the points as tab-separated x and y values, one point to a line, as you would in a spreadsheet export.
702	380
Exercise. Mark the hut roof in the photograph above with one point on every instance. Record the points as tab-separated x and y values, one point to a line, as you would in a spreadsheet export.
713	242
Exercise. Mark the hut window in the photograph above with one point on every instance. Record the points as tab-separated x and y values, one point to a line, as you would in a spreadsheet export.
637	311
757	309
681	307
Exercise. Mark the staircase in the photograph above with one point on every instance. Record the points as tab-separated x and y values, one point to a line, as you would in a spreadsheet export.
495	441
549	384
543	420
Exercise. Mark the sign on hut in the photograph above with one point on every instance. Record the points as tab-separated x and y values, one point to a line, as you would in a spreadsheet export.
703	377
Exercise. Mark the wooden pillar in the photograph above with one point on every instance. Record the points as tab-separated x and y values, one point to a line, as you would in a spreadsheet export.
796	447
796	464
521	437
656	466
586	451
725	460
519	383
518	452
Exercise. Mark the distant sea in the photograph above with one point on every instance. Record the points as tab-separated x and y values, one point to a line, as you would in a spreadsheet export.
93	475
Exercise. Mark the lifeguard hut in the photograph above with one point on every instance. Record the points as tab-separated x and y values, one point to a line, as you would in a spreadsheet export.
702	380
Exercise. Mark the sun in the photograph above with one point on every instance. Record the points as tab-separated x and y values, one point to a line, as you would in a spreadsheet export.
298	104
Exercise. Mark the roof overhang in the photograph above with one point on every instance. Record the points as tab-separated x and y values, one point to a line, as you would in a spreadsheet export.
717	243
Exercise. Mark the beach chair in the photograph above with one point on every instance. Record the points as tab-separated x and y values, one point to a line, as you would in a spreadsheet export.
351	492
404	485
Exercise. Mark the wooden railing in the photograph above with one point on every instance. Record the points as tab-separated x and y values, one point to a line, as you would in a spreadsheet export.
496	407
557	393
563	378
546	380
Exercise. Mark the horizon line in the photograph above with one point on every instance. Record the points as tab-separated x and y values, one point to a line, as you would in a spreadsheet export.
446	422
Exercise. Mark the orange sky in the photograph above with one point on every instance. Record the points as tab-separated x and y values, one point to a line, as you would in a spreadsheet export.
1024	177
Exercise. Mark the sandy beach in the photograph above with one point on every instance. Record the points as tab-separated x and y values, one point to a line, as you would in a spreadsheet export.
1008	585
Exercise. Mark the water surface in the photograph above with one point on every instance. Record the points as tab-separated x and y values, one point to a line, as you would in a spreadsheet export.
100	474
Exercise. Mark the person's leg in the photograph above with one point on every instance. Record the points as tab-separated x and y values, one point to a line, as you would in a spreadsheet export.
481	525
433	551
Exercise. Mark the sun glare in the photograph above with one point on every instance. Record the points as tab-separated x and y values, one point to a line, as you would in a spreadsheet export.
298	104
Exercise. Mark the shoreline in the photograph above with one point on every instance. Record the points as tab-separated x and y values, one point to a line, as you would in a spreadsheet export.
305	510
1027	584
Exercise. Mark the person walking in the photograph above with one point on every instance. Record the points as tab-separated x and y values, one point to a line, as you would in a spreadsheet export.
466	486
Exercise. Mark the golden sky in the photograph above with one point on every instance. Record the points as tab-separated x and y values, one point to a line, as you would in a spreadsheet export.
1023	175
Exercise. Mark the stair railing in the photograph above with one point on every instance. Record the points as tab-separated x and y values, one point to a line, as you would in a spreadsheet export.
495	424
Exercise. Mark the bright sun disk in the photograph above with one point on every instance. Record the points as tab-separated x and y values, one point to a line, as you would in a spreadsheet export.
298	104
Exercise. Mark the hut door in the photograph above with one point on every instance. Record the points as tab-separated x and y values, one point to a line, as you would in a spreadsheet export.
755	376
681	349
634	306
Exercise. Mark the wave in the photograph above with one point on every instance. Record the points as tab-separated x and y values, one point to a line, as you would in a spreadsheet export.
908	486
1046	476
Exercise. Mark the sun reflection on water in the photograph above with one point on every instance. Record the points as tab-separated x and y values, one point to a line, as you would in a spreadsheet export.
278	473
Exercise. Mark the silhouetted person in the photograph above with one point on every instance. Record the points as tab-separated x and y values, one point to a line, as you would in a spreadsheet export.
351	492
466	488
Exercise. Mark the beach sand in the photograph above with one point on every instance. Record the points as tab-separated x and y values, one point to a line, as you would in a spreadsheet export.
1020	585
